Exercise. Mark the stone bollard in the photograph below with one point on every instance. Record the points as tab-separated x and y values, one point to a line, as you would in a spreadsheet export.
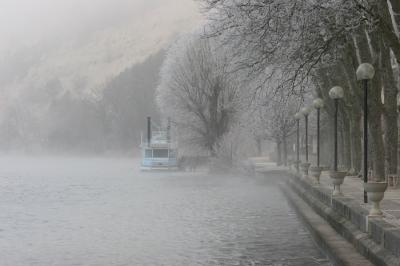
315	172
304	169
337	179
376	192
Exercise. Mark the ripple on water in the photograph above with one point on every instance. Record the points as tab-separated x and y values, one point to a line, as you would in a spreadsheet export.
104	212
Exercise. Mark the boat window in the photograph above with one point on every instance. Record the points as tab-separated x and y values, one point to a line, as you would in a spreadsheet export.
172	154
148	153
160	153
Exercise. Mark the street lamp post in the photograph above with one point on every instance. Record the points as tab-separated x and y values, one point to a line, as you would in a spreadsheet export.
398	111
297	116
337	177
374	190
364	73
318	103
305	111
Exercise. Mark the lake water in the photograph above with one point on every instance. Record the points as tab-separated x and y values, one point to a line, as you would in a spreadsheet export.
82	211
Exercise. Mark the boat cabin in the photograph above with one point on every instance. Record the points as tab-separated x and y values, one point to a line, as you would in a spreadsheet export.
158	152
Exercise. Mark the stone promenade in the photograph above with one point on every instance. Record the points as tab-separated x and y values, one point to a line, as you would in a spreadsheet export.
376	238
352	187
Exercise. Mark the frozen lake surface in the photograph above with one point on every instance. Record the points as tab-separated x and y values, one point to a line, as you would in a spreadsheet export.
105	212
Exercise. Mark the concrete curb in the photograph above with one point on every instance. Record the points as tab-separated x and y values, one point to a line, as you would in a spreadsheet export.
339	251
375	240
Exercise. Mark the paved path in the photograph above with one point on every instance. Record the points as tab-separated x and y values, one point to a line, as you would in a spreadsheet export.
263	165
353	188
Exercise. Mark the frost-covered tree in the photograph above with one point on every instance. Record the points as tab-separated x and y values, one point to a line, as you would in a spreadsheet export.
197	92
277	123
321	43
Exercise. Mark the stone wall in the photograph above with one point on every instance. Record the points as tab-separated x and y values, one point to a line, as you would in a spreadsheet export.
374	238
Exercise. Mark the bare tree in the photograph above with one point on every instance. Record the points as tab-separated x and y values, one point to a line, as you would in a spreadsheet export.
274	119
197	92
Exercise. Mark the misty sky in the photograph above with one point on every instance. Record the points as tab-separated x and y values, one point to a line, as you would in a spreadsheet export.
29	21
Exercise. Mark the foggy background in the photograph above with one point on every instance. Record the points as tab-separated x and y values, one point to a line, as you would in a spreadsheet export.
79	75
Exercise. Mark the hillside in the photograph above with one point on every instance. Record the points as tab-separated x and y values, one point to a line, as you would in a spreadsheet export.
86	92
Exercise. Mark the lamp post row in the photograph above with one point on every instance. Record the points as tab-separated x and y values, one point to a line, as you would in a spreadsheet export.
365	72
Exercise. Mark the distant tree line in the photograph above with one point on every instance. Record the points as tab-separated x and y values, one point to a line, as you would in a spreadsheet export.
111	122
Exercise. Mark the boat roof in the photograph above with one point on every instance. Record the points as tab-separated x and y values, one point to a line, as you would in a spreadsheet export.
159	140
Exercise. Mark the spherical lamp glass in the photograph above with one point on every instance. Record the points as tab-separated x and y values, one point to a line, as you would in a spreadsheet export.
297	116
305	111
318	103
336	92
365	71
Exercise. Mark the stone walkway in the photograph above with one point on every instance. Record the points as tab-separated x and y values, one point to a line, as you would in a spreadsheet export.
352	187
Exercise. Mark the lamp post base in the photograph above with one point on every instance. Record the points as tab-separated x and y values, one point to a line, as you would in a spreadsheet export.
376	192
337	179
304	169
315	172
296	165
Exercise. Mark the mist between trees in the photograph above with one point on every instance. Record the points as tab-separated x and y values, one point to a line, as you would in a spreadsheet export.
72	124
239	80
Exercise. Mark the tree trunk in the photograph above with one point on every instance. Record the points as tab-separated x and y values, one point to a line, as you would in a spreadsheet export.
346	143
355	134
396	10
325	85
375	112
259	146
386	25
349	65
348	105
278	152
390	112
285	156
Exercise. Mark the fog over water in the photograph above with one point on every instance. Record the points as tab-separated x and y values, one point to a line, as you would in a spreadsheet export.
80	211
77	80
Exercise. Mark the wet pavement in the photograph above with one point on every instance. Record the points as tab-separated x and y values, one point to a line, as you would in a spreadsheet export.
106	212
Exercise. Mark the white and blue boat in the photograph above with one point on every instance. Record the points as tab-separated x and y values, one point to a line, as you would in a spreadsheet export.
158	151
